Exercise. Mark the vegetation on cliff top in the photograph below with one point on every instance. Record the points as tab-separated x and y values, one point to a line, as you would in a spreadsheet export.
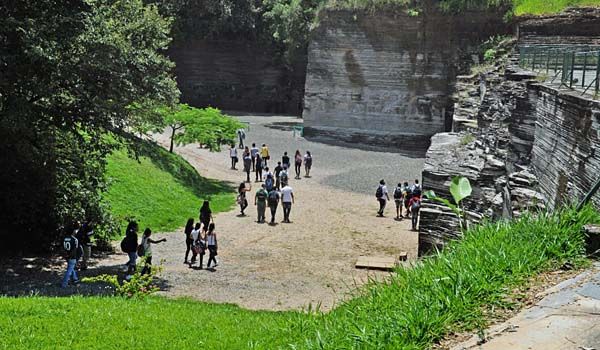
459	289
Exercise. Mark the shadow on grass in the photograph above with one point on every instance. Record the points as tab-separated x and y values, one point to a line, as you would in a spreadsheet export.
182	171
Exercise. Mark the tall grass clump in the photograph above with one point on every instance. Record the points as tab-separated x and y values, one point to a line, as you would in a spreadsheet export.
453	290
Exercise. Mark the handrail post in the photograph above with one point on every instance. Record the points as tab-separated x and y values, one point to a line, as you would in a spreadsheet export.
547	61
584	67
572	69
597	74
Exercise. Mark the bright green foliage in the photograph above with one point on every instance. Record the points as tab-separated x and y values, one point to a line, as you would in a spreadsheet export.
138	286
452	291
460	188
160	190
206	126
539	7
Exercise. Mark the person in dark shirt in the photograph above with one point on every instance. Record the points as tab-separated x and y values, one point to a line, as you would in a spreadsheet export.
73	252
278	170
285	160
131	247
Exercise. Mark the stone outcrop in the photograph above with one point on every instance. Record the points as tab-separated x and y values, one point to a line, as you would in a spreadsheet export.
386	78
237	75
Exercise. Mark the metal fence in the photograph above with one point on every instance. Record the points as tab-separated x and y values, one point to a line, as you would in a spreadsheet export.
576	68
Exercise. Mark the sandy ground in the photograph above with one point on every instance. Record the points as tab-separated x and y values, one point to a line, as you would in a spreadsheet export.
311	260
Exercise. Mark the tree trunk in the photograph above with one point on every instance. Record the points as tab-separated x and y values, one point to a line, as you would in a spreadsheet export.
172	139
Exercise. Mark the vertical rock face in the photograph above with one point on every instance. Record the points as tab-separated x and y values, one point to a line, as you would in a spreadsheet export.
566	150
236	75
386	78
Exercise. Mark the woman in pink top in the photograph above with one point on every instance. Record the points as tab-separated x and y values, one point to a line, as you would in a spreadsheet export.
298	163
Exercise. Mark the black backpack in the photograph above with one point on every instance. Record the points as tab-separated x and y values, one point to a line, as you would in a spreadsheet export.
379	192
273	197
124	244
261	195
416	191
398	193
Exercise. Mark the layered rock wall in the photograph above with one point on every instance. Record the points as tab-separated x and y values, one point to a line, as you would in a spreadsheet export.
386	78
237	75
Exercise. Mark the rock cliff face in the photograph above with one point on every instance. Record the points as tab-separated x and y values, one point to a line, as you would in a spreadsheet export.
386	78
236	75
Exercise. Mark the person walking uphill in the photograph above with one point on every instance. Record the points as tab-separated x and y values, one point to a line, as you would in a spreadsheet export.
253	154
241	133
73	252
382	197
211	242
273	203
147	250
205	214
287	199
259	168
298	163
307	163
260	201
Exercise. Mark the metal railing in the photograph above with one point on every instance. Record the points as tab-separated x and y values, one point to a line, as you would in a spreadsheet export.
576	68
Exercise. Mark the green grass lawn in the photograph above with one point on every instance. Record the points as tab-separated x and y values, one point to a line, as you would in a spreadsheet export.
161	190
455	290
539	7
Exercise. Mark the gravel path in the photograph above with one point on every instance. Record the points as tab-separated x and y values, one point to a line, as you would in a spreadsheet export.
311	260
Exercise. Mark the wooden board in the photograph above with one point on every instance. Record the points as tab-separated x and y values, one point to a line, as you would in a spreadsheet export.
376	263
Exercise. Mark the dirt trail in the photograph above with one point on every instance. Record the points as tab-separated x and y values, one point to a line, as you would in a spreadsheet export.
287	266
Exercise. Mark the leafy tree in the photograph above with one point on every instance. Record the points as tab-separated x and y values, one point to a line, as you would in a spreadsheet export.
207	126
70	72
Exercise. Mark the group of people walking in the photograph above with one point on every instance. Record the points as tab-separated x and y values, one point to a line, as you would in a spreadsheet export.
405	195
130	245
200	237
276	187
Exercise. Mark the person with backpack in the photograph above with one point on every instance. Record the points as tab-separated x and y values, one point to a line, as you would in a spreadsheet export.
205	214
195	236
415	207
260	201
307	163
72	253
382	197
189	227
407	196
398	200
211	242
285	177
248	163
234	156
269	182
298	163
241	199
287	199
129	245
278	170
273	200
146	250
253	154
285	160
259	168
416	188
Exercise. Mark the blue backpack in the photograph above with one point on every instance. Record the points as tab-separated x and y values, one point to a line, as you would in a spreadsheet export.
269	183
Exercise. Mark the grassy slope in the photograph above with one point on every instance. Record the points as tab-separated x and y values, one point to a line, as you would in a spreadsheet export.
538	7
162	190
451	292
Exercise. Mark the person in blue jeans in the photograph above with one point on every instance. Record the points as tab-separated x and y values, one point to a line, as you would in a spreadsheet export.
72	249
131	247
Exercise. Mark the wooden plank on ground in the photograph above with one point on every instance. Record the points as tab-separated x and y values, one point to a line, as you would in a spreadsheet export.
376	263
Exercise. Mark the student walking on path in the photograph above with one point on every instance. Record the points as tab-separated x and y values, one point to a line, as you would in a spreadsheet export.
273	203
259	168
285	176
241	137
307	163
242	201
260	201
234	156
129	245
264	154
398	200
407	195
253	154
278	170
73	252
205	214
287	199
415	206
196	235
248	164
285	161
147	250
382	197
298	163
211	242
84	237
189	227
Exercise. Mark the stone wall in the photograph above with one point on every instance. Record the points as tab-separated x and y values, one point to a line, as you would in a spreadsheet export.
566	150
576	26
237	75
386	77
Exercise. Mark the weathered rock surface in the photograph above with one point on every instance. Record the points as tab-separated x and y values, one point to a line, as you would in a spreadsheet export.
388	74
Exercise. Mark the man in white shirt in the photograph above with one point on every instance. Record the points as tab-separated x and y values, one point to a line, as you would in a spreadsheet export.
234	158
382	196
287	198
